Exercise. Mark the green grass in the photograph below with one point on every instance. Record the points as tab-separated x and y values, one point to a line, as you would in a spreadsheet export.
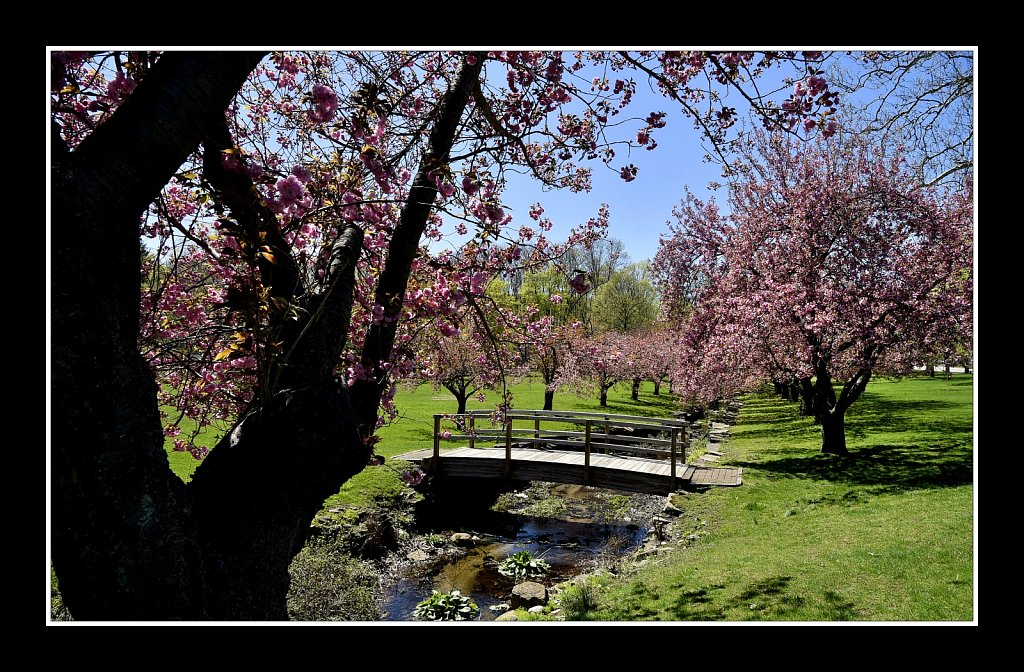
885	534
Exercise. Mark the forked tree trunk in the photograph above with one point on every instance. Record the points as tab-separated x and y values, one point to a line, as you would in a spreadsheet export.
657	386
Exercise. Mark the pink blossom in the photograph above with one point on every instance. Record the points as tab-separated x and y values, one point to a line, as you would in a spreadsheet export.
643	136
478	283
556	299
290	189
579	284
816	85
301	173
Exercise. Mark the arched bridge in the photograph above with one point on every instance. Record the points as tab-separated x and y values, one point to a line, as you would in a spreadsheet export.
619	452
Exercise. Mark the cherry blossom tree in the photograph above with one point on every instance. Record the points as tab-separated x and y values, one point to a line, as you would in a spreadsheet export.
834	265
292	195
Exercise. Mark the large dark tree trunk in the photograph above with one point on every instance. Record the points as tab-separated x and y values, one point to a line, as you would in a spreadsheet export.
129	539
833	433
657	386
635	394
123	541
604	398
930	369
549	400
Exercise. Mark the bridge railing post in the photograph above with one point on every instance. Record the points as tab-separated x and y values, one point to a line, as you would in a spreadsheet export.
536	433
472	431
437	444
672	452
586	453
508	447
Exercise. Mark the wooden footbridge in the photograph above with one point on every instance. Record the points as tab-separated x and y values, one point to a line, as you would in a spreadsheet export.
619	452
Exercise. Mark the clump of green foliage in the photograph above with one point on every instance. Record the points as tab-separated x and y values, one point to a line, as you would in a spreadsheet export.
577	599
451	606
523	565
329	584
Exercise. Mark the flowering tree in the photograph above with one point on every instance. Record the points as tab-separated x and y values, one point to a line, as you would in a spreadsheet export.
834	264
300	187
552	347
467	361
601	363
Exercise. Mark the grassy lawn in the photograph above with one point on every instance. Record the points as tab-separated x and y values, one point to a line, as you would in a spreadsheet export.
885	534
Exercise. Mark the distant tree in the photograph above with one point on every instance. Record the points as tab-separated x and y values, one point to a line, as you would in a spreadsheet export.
627	302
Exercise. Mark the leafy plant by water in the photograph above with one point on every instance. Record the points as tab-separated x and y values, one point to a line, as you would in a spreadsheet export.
451	606
523	565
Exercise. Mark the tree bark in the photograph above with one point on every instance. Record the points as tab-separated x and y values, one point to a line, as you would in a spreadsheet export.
549	400
604	398
657	386
635	394
833	433
931	370
123	542
130	540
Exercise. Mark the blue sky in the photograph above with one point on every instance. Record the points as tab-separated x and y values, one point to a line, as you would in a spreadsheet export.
638	209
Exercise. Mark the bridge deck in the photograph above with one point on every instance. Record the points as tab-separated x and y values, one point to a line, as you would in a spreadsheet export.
631	474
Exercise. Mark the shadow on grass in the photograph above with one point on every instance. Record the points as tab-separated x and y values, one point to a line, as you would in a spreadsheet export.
767	599
919	443
888	468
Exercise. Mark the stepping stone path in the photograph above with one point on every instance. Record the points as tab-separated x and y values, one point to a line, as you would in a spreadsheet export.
718	433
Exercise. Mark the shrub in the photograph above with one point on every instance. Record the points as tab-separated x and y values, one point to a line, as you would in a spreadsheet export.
331	585
577	599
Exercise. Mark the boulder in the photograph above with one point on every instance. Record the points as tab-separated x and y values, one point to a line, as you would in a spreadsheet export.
418	555
462	539
508	616
536	610
529	594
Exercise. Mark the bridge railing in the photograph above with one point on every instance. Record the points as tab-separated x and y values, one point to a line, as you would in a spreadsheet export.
664	438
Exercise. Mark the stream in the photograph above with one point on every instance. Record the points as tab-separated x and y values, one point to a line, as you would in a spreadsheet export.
575	542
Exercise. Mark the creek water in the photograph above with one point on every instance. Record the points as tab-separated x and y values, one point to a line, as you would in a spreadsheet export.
571	544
